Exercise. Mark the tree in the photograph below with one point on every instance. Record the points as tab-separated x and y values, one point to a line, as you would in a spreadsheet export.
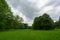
35	24
43	22
7	19
5	13
57	24
17	22
29	27
25	26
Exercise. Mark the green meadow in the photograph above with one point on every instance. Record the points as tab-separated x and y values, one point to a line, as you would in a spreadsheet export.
30	35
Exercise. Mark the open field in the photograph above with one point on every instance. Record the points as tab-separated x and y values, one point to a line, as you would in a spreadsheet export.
30	35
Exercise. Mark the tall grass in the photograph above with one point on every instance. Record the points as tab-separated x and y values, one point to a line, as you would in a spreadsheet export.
30	35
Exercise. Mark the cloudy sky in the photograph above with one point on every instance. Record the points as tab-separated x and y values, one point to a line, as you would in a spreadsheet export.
29	9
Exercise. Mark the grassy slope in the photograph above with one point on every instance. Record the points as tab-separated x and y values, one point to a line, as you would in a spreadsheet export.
30	35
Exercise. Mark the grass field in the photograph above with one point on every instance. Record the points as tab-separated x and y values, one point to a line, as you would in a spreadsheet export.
30	35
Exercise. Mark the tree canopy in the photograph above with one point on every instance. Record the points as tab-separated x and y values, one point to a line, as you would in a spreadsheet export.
7	19
43	22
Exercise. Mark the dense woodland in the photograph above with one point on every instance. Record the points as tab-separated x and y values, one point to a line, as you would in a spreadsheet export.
9	21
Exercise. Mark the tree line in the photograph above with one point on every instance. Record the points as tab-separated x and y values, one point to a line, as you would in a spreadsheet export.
9	21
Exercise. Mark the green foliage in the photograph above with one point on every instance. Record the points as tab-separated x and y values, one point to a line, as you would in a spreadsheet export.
35	24
25	25
18	22
29	27
5	13
57	24
7	19
43	22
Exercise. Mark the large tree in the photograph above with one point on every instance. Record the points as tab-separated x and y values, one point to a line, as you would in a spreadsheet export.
7	19
43	22
5	14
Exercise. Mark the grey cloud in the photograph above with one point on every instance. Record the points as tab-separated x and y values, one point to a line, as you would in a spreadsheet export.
54	14
27	8
30	10
53	3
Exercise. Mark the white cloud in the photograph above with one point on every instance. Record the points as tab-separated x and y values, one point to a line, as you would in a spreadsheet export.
46	9
41	3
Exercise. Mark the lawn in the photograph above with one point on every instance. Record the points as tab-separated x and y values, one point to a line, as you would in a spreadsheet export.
30	35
